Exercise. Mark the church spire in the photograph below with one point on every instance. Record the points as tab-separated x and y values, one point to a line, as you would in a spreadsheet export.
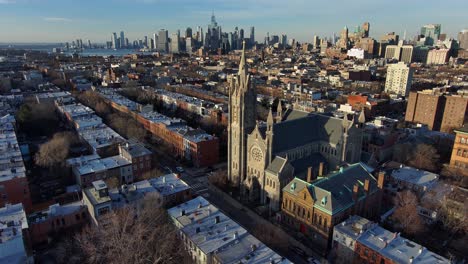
270	118
242	66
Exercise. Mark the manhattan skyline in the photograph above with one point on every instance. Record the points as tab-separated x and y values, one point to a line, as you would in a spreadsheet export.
50	21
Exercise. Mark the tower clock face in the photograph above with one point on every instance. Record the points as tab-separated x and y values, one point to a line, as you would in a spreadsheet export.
257	154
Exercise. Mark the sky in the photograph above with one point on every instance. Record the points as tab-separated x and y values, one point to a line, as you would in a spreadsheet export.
66	20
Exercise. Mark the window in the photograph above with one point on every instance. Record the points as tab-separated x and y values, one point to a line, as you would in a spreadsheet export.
462	140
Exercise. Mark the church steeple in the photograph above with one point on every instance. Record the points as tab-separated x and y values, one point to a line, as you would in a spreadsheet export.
279	112
243	70
270	120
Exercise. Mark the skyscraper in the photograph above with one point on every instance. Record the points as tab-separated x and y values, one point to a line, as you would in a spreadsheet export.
365	29
252	36
122	39
163	40
155	41
463	39
188	32
114	40
399	79
175	43
431	32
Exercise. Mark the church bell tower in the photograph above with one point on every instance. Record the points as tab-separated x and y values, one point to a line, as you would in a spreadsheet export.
242	120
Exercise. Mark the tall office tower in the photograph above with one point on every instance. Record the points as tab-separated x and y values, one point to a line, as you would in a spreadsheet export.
127	44
241	34
175	43
399	79
89	44
284	40
316	42
122	39
252	36
365	29
343	42
163	40
145	42
155	40
463	39
114	41
431	32
268	38
202	37
188	32
189	45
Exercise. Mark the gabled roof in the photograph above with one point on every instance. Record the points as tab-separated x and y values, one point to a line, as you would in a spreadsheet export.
334	193
301	131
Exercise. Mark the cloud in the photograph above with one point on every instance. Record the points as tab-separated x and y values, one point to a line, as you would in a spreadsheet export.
56	19
7	2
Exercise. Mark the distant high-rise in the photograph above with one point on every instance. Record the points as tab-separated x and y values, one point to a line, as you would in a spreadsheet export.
431	32
175	43
188	32
114	40
316	42
399	79
252	35
343	43
163	40
284	40
365	29
122	39
155	41
463	39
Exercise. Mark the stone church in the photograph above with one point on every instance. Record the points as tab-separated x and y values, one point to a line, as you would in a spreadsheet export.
263	158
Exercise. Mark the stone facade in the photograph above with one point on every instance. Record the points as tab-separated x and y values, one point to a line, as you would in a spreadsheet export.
263	158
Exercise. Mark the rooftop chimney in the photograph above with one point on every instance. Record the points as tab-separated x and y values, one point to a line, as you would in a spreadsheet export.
236	235
182	212
321	167
217	219
381	180
355	192
310	175
367	186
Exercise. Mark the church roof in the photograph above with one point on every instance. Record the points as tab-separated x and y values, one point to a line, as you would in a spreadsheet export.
291	114
277	165
302	131
301	165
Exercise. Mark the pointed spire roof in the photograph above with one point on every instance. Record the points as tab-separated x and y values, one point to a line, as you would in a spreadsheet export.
270	117
362	117
242	65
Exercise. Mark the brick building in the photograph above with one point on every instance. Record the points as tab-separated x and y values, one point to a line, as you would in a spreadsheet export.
185	142
314	207
139	156
56	219
358	240
439	111
459	158
14	187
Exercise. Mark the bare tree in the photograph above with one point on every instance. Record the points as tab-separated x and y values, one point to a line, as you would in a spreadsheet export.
129	235
424	157
218	178
271	236
55	151
406	213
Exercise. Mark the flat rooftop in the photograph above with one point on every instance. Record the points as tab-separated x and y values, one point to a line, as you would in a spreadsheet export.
98	165
415	176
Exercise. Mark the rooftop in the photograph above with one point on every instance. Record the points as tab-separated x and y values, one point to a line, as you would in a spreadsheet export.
414	176
212	231
98	165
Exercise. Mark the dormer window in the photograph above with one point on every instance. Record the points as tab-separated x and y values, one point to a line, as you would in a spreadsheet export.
324	200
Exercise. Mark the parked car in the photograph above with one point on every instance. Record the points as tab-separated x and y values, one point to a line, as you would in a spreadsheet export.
179	169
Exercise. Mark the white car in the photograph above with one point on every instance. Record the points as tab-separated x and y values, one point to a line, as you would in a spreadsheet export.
180	169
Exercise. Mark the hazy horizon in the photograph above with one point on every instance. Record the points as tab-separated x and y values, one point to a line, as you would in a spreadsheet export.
54	21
